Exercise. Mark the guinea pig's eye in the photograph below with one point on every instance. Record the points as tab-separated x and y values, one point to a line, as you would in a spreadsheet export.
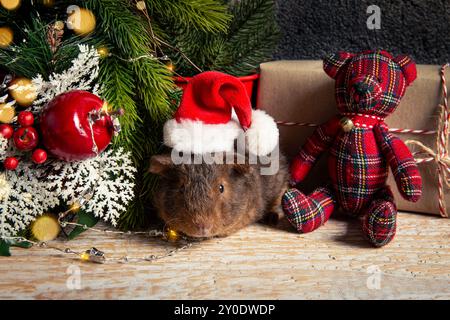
221	188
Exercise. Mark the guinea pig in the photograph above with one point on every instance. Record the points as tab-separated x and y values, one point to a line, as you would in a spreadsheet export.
209	200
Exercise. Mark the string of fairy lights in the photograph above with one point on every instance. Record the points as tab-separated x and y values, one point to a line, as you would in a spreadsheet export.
83	22
93	254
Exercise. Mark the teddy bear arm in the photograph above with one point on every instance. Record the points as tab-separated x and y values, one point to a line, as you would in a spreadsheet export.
402	163
315	145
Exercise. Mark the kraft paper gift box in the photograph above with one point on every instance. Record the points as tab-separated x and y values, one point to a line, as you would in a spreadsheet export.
300	91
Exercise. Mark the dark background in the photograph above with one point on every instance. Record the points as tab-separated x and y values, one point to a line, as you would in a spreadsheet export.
312	28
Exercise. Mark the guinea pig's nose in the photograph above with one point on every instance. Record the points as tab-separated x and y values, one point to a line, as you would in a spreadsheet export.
204	229
365	89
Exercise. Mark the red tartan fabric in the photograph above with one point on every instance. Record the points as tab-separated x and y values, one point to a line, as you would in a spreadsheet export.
380	218
369	87
402	163
307	213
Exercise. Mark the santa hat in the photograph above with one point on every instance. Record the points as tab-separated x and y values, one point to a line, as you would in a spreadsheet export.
204	121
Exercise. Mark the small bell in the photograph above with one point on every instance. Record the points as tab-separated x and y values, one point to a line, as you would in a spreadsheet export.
346	124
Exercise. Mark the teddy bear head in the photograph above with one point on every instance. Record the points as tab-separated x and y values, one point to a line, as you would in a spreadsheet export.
372	82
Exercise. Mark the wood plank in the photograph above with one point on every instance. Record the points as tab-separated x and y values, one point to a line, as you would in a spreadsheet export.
259	262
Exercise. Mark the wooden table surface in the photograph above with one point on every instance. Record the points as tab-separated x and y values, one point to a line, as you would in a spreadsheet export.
259	262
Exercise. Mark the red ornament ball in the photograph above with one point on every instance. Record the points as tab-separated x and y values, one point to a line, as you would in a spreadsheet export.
11	163
6	131
39	156
25	119
66	133
26	138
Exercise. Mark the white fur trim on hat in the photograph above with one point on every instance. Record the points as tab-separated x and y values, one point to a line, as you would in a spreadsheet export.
197	137
262	136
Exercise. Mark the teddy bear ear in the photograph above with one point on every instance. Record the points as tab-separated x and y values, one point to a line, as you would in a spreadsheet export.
408	67
334	62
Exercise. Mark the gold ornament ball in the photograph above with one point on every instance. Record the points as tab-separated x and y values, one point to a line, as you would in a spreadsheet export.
45	228
10	4
23	91
346	124
81	21
7	112
6	37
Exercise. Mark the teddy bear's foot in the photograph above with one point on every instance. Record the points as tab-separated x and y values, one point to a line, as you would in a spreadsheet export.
308	212
380	219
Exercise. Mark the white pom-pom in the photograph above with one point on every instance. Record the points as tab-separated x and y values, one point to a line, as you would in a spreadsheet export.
262	136
197	138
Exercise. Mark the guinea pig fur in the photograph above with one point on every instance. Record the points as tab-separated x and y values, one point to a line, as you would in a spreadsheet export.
207	200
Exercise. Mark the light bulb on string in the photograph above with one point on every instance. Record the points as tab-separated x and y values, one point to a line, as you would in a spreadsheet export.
75	207
140	5
103	51
48	3
170	66
171	235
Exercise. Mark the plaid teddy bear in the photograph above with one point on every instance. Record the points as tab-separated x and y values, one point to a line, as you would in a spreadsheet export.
369	87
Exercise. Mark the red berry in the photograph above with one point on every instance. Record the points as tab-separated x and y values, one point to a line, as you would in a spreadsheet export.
6	131
39	156
26	139
11	163
25	119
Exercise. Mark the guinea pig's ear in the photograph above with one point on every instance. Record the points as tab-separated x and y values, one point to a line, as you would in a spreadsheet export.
335	62
160	164
241	169
408	67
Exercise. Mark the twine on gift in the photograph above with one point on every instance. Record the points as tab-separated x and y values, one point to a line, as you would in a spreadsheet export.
425	153
394	130
440	156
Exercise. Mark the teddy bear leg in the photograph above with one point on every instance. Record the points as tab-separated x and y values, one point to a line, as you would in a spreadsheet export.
380	218
308	212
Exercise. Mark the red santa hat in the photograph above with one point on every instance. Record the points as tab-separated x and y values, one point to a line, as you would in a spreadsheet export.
204	121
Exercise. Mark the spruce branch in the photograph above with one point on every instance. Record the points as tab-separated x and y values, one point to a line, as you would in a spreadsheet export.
204	15
32	56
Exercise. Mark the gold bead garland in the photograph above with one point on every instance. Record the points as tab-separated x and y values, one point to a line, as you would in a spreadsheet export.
96	256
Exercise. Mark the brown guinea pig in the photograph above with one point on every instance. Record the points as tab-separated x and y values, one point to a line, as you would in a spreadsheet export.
207	200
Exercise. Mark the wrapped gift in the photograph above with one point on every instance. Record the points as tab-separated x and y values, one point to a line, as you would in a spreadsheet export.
299	95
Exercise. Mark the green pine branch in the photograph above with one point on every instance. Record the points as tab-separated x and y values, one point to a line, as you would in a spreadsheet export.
118	88
138	83
249	40
252	37
129	77
204	15
32	56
